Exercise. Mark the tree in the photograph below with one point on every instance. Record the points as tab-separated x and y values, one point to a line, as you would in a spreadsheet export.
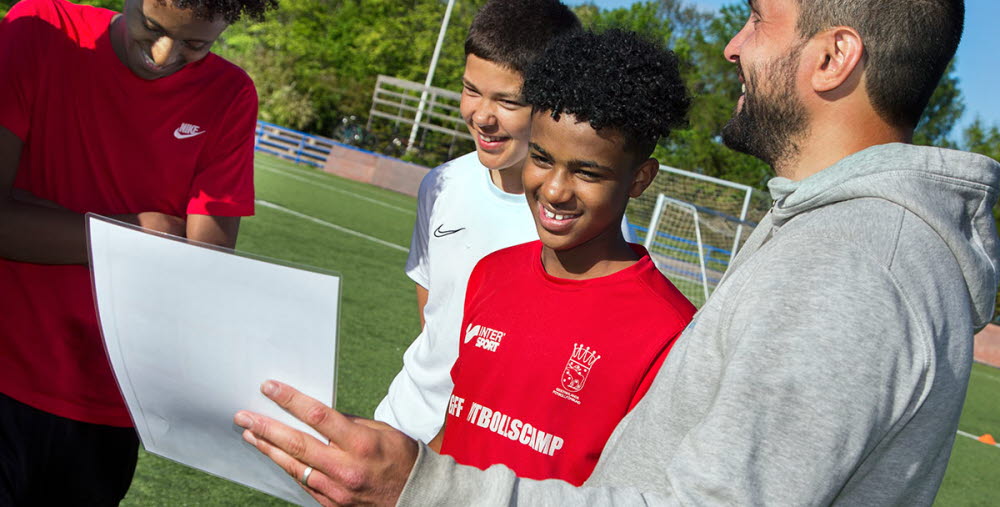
328	53
698	39
977	138
942	113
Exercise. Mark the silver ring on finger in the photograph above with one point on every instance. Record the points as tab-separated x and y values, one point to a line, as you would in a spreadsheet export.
305	476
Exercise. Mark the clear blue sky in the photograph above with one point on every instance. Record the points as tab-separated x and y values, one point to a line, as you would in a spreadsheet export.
978	61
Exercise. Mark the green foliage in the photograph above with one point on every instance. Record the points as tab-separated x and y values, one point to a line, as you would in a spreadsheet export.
323	56
943	111
644	18
316	61
698	38
981	139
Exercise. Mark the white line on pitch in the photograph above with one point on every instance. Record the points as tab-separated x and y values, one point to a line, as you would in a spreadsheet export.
985	376
974	437
332	226
287	174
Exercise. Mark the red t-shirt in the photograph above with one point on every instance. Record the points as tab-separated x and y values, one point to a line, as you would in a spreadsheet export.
547	367
99	139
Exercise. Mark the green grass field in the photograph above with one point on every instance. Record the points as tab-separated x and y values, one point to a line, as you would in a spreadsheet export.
379	319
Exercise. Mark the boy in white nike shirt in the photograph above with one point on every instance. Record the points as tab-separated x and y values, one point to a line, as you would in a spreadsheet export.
473	205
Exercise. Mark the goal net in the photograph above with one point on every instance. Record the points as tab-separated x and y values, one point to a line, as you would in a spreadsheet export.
693	225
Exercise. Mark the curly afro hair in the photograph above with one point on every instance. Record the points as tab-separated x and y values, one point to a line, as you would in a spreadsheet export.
614	80
230	10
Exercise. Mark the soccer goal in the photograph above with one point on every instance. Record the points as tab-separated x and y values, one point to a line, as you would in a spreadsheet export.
677	248
693	225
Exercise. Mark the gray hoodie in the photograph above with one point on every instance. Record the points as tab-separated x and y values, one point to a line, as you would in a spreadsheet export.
829	366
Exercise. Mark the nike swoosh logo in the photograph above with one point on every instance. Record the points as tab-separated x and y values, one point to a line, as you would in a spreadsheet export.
438	233
179	135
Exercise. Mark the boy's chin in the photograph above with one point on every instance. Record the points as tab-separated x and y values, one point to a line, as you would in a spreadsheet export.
498	161
556	242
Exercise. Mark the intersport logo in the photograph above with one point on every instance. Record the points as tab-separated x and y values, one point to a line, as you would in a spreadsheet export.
486	338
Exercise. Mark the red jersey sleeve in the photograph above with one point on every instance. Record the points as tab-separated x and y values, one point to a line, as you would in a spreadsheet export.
223	184
22	35
647	379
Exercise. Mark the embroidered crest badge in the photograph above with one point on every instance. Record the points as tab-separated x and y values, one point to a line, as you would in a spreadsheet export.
578	367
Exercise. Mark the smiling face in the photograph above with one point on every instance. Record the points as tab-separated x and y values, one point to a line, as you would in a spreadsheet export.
156	40
770	115
494	113
578	181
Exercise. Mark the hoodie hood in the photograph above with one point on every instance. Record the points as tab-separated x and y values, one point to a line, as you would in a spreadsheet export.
952	191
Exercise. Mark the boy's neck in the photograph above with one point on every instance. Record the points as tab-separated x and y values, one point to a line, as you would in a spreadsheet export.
508	180
593	259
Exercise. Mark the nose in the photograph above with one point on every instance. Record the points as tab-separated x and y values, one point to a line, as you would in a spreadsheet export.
163	51
732	50
484	115
558	187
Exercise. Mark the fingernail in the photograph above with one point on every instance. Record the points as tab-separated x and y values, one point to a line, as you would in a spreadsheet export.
248	436
269	388
243	420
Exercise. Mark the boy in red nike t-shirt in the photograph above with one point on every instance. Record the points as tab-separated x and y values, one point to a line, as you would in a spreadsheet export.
124	114
563	336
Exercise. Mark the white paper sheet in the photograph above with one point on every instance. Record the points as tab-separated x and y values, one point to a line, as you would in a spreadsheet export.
191	333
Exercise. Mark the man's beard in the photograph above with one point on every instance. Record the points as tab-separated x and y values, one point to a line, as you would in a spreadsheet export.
769	122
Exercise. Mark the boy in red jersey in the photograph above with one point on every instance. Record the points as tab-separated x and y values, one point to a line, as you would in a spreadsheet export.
564	335
123	114
470	206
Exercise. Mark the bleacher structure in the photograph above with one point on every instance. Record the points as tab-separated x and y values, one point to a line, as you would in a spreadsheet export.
298	147
399	101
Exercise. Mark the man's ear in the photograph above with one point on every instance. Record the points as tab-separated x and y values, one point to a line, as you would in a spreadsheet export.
839	52
644	175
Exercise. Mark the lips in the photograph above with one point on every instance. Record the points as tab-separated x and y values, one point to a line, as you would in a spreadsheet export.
491	143
556	221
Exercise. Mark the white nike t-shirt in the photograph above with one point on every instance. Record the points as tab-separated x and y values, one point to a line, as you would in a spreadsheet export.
461	218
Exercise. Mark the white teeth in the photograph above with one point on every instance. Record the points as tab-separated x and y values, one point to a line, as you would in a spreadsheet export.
489	139
744	90
555	216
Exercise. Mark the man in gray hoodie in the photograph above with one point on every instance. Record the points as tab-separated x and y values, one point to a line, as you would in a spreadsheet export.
831	363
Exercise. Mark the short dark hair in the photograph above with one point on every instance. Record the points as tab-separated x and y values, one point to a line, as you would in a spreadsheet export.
908	45
512	33
615	80
230	10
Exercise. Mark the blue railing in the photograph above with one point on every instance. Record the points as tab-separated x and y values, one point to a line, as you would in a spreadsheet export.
293	145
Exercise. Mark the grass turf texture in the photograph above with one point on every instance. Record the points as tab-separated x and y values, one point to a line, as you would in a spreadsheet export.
379	319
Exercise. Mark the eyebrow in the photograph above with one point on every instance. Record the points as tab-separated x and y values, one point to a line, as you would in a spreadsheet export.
511	96
577	163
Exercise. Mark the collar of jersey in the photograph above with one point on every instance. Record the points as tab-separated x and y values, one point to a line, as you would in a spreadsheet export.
628	273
